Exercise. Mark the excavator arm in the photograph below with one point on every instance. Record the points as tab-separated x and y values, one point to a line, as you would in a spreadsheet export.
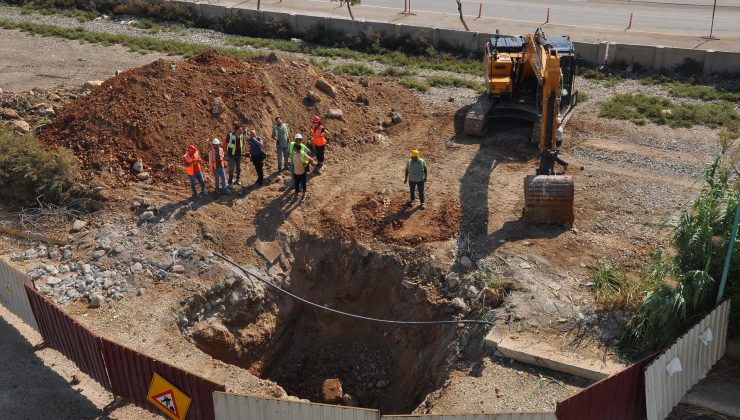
548	197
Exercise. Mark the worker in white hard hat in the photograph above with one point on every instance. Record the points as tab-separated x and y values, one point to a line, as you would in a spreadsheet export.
299	162
216	162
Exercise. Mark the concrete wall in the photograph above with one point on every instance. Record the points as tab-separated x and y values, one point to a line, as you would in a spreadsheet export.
587	51
648	56
639	54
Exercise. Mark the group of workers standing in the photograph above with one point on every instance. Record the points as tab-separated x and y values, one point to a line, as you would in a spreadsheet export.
292	156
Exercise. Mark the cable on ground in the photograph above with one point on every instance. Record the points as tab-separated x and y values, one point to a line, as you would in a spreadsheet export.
334	311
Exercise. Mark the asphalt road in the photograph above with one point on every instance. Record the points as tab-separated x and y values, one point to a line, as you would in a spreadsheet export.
683	17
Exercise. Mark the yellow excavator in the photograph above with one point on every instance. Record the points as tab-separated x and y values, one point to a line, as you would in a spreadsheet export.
532	78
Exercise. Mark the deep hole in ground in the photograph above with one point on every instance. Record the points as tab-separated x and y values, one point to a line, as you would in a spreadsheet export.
380	366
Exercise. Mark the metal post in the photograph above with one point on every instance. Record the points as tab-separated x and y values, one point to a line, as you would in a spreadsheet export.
711	29
547	18
728	258
629	24
480	10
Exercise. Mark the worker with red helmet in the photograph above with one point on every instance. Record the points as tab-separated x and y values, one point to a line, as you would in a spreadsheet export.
318	137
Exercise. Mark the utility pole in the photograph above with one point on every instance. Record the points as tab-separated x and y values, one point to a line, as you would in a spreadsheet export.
711	29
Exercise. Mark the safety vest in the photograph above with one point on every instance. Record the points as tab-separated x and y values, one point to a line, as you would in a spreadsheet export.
276	131
423	165
192	163
212	158
317	136
304	149
231	148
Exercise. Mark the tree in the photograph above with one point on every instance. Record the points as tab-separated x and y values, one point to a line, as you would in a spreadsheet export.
459	10
350	3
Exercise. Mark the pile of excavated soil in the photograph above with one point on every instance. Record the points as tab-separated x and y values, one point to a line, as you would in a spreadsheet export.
153	112
388	219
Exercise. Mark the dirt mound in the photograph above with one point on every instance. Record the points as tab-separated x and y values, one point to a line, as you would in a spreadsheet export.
388	219
155	111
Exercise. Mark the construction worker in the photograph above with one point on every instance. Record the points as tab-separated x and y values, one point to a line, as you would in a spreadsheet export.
192	162
416	176
318	138
257	153
300	159
297	142
217	164
235	149
281	135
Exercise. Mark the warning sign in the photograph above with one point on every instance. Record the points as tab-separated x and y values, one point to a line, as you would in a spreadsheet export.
167	398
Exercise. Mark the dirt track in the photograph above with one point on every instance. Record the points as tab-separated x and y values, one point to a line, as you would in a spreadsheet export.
624	191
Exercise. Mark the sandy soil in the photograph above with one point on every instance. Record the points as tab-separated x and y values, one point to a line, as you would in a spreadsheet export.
52	62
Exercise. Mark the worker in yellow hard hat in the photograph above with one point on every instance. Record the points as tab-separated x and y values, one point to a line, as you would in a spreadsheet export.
416	176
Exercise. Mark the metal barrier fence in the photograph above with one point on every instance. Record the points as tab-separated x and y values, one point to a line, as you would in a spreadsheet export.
12	294
69	337
500	416
131	375
237	407
618	397
685	363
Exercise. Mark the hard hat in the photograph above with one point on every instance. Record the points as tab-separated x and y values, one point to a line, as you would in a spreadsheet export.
414	153
317	119
216	141
298	136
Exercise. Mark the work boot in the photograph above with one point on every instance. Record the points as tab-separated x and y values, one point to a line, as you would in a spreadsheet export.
410	204
423	206
238	182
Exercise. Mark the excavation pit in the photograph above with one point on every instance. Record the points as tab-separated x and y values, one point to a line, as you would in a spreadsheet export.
305	349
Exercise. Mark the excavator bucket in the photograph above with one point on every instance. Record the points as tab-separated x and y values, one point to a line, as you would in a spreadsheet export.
548	199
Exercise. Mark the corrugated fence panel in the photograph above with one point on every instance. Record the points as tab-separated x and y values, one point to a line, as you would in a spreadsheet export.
131	373
238	407
61	332
496	416
618	397
662	390
12	294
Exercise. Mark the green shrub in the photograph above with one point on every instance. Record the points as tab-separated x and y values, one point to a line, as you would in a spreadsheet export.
134	43
354	69
640	109
31	170
605	77
582	96
415	84
397	72
447	81
685	287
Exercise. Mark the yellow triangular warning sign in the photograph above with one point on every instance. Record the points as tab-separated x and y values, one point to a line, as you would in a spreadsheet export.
167	398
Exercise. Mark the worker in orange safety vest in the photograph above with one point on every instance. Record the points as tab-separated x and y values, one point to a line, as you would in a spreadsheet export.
216	162
193	167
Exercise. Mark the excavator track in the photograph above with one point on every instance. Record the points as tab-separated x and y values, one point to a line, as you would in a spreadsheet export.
476	120
548	199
